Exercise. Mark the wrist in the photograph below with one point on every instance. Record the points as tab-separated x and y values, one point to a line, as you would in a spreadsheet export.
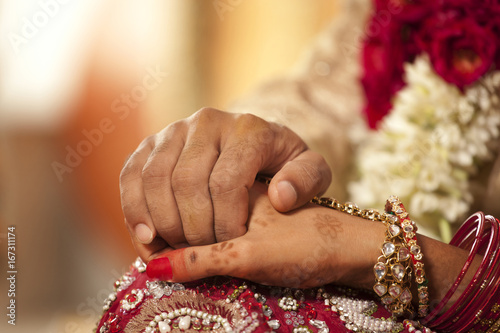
359	250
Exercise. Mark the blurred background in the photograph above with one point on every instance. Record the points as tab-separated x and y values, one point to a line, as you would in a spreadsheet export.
81	83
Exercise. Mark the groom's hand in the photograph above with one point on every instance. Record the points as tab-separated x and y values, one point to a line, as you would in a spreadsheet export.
188	184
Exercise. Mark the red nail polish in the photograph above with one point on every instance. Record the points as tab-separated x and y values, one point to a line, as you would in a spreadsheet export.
160	268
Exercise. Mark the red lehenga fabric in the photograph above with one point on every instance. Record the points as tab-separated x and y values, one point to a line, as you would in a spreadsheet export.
223	304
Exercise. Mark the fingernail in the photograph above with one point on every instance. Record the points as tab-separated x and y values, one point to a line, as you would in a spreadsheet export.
286	193
160	268
143	233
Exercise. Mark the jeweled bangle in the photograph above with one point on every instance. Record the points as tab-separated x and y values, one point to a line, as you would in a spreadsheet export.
394	205
393	272
393	269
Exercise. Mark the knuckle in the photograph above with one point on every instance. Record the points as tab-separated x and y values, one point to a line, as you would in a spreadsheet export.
171	131
152	171
204	115
266	136
222	233
160	148
184	180
197	238
131	212
250	121
228	229
193	149
206	110
131	168
202	202
176	126
148	141
248	118
222	182
260	132
168	230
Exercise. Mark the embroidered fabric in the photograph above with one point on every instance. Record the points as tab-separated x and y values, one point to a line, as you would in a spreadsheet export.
139	304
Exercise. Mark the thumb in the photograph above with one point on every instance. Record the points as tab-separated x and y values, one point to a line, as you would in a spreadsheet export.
196	262
299	180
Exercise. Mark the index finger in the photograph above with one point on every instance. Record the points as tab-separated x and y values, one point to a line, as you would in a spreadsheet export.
134	205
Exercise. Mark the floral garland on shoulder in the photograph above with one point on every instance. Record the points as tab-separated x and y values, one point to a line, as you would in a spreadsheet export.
432	90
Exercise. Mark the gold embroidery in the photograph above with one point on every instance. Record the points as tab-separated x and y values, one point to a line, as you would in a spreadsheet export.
182	299
487	322
495	327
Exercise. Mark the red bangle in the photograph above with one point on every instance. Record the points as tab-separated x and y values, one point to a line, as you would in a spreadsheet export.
476	308
466	296
462	237
477	299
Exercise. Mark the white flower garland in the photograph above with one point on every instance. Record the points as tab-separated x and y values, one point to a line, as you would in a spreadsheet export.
429	146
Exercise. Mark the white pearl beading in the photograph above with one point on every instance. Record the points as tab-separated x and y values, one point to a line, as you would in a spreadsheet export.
353	313
187	315
123	283
127	306
288	303
109	300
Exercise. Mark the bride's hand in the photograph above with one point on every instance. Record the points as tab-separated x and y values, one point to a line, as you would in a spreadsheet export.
310	246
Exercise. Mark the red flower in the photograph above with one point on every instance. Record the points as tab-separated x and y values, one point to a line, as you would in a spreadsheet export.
462	51
460	37
440	20
383	57
407	10
489	17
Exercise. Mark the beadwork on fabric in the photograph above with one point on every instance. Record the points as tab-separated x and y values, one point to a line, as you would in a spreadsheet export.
139	304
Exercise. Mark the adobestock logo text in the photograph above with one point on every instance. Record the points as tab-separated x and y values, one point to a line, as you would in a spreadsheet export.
31	26
120	110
